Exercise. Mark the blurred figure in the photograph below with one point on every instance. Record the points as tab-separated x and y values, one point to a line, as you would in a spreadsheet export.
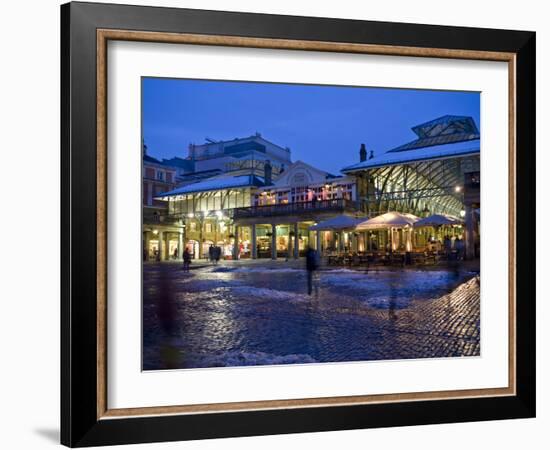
459	245
169	352
447	244
211	253
186	259
311	266
392	315
175	255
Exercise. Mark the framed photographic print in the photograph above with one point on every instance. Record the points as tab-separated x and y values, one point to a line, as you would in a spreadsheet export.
277	224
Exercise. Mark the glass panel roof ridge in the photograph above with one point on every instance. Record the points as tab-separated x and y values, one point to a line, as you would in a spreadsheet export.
215	184
435	140
466	123
435	152
442	130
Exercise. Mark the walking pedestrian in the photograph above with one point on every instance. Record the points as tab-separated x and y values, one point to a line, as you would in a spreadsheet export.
211	253
186	259
311	266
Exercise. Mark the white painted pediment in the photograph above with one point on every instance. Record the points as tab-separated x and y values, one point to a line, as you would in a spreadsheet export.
300	174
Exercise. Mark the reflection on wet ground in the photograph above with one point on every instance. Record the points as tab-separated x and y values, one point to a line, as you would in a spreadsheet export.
258	315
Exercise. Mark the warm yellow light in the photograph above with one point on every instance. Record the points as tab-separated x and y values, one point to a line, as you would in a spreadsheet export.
155	232
458	188
462	213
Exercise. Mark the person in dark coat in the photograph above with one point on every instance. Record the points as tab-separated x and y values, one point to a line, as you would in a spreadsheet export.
186	259
311	266
211	253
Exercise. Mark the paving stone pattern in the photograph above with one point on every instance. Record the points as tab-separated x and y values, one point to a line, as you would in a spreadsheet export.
262	315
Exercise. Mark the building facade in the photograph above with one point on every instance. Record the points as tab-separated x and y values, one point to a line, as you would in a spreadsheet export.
162	234
256	203
283	210
248	197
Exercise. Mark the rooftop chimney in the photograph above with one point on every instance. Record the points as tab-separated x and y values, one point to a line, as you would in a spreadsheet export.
362	153
267	173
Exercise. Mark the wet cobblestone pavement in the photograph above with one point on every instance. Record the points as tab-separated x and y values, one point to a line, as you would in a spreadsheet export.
232	315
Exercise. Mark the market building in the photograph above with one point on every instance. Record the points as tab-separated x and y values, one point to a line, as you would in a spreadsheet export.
256	203
436	173
248	197
283	210
223	176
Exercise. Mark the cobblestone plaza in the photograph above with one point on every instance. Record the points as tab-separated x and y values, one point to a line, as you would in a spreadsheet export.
239	314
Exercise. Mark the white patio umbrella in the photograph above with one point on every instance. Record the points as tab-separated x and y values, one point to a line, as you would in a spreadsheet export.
338	223
437	220
391	221
341	222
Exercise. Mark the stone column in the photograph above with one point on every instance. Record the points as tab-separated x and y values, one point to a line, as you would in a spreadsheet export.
254	248
236	248
273	241
296	242
289	245
318	242
180	245
201	239
162	247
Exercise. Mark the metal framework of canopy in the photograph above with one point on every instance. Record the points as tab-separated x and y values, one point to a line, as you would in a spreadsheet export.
433	186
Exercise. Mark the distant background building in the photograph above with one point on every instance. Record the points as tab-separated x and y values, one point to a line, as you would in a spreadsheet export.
161	233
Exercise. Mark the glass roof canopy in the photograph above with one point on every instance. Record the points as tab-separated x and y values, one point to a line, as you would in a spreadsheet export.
426	175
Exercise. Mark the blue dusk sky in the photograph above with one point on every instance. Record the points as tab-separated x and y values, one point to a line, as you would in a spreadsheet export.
323	125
